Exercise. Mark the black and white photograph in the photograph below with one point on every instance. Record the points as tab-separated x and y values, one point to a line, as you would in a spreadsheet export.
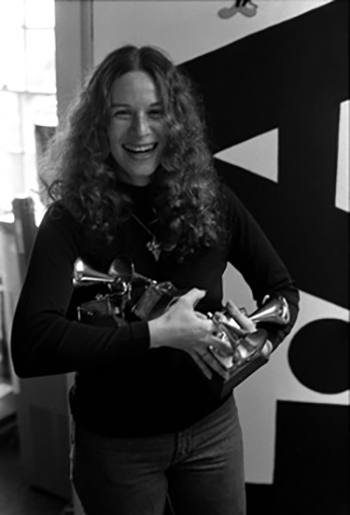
174	257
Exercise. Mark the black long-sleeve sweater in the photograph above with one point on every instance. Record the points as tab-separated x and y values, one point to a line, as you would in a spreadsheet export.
122	386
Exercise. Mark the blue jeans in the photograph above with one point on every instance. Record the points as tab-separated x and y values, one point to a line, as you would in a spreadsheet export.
199	469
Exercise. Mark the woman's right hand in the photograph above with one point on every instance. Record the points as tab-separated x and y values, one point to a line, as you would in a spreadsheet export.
181	327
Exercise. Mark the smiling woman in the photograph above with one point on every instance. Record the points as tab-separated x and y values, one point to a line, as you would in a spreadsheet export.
134	182
137	122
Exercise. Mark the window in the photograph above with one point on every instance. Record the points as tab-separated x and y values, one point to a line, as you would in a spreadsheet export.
27	92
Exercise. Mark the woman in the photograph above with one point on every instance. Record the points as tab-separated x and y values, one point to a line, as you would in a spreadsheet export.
134	178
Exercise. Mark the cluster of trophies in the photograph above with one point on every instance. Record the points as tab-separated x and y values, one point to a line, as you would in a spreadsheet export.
245	353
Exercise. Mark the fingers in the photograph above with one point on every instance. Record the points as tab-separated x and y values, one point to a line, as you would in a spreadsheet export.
267	349
230	324
193	296
201	315
240	317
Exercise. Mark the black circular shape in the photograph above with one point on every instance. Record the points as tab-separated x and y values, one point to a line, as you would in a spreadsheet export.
319	356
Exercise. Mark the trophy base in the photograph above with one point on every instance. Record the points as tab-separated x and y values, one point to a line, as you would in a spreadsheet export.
222	388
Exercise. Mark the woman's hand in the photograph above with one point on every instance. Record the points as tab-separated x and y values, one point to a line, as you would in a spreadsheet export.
181	327
246	325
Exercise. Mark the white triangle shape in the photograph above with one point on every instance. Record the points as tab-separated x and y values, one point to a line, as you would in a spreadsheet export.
258	155
342	200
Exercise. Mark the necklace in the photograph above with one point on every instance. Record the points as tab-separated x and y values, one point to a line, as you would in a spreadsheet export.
153	245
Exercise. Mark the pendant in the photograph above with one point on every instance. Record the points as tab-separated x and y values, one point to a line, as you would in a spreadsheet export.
154	247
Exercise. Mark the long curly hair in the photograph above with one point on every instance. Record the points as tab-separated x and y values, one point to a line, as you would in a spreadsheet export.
186	184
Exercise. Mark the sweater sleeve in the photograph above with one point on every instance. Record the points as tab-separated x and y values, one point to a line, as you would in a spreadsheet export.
253	255
44	340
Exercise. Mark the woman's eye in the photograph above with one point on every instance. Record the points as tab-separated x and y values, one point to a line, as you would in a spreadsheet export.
156	113
122	113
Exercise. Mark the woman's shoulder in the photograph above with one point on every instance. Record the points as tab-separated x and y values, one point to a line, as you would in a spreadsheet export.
234	209
228	198
58	218
59	230
57	213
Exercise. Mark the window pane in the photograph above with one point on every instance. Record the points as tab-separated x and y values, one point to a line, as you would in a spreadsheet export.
37	110
10	122
27	91
40	13
12	58
11	179
30	180
40	46
11	13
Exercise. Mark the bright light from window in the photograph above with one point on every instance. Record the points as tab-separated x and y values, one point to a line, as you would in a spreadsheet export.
39	14
11	13
27	91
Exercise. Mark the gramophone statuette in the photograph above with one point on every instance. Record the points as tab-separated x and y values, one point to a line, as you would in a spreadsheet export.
248	352
245	352
274	310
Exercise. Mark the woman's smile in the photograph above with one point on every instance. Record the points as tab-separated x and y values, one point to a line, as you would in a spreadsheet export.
141	151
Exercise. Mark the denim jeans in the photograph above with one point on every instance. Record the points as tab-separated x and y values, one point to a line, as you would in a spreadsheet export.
200	469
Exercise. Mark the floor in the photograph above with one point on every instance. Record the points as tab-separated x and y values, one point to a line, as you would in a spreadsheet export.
16	496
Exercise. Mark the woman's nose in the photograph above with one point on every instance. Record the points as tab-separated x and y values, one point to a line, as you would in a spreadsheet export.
140	124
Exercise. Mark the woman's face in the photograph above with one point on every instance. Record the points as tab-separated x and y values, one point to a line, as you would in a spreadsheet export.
137	132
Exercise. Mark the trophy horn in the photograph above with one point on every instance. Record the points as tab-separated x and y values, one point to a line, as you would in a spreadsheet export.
274	310
122	267
84	275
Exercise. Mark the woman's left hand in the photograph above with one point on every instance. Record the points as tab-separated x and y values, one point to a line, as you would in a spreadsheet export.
245	324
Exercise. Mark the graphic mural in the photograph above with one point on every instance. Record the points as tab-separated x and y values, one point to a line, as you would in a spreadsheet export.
273	76
253	90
